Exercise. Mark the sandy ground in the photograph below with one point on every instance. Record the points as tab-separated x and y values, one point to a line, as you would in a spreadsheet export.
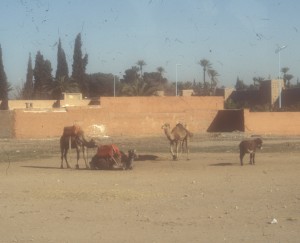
209	198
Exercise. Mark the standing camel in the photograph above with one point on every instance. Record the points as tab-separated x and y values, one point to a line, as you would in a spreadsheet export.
178	136
74	138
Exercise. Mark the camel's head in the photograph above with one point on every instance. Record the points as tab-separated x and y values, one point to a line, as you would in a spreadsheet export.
132	154
166	126
181	125
92	144
131	157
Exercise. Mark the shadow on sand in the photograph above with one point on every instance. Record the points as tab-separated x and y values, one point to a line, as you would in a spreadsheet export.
51	168
223	164
144	157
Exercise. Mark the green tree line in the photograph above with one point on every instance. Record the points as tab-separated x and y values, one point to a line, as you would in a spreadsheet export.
41	84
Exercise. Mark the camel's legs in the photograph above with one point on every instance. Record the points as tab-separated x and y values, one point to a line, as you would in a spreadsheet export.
177	148
187	148
64	156
182	147
78	156
171	150
62	160
84	157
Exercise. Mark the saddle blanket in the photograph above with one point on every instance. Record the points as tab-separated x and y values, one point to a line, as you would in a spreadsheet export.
109	150
74	130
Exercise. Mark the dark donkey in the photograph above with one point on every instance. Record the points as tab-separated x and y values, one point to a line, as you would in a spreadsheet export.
73	137
250	146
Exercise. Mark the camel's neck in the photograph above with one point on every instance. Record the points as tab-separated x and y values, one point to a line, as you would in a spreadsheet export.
88	144
169	134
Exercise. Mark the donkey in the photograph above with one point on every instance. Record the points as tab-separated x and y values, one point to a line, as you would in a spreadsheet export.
250	146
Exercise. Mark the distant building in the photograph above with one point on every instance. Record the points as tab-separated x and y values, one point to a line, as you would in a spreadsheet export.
225	92
187	92
270	91
160	93
267	93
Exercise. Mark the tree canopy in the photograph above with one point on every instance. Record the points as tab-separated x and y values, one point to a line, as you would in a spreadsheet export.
27	90
62	69
205	64
42	76
79	66
239	85
102	84
4	85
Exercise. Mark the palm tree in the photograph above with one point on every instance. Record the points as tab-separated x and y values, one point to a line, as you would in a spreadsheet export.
141	63
284	70
205	64
288	78
161	70
213	74
138	88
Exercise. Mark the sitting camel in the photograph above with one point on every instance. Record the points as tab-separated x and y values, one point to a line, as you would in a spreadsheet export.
73	137
179	136
115	161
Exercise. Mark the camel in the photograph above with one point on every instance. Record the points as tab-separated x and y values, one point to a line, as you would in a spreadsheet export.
118	161
73	137
179	136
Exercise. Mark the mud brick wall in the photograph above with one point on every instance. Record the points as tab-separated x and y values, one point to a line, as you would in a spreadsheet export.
138	116
7	124
132	116
162	104
277	123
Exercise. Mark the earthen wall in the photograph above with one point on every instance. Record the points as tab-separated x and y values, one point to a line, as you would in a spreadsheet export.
133	116
277	123
139	116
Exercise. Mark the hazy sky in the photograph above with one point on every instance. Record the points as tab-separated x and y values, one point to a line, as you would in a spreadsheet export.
238	37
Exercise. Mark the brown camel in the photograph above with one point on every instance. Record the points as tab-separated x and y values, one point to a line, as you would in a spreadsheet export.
179	136
73	137
124	162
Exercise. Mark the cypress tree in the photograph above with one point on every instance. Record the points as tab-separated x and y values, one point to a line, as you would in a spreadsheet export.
4	85
28	86
42	77
79	66
62	66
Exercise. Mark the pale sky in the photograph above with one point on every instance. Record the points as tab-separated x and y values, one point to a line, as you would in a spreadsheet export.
238	37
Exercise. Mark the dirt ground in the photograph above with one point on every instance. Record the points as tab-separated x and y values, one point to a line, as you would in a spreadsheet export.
209	198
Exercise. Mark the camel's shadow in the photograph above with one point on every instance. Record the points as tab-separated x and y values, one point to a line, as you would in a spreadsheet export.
51	167
40	167
144	157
